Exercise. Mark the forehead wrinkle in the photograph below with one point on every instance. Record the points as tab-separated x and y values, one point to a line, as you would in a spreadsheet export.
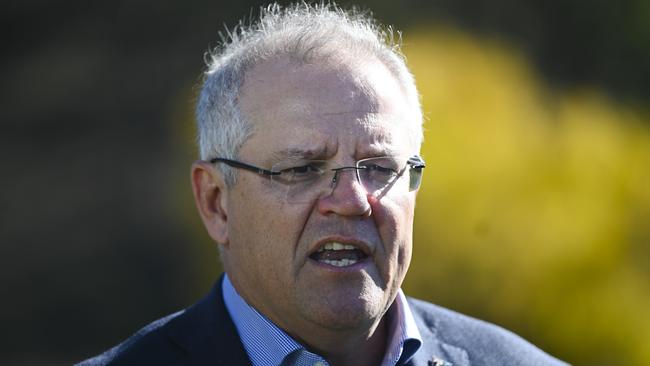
376	139
353	111
377	149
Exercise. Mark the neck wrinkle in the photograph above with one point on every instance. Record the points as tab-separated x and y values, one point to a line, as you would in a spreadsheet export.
364	351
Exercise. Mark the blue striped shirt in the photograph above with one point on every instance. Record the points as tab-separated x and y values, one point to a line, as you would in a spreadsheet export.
268	345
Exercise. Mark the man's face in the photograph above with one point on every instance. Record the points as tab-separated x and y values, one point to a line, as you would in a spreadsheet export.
341	114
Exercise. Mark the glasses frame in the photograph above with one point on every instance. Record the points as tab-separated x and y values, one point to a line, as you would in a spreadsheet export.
414	162
240	165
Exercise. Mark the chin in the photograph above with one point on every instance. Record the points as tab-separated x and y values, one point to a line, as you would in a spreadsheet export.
348	310
345	319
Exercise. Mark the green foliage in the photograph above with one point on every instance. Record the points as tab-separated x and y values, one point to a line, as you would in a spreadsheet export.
535	203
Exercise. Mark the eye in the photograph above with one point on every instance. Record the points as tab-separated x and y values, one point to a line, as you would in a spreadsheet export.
373	168
378	172
303	169
305	172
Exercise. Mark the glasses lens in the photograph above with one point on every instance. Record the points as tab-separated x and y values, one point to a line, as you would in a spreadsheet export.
301	181
415	178
305	181
416	164
378	175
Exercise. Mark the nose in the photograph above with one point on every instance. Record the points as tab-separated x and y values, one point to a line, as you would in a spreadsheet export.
347	197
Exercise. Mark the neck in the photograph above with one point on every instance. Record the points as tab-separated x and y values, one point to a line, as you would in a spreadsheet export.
361	345
365	349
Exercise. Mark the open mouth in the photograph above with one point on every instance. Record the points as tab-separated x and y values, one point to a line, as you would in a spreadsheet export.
338	254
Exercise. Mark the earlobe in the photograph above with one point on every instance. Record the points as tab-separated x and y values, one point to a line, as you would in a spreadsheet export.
209	190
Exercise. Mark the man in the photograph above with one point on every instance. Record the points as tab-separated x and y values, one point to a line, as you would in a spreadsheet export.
309	131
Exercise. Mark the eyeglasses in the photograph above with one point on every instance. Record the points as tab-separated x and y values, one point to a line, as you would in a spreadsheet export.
303	181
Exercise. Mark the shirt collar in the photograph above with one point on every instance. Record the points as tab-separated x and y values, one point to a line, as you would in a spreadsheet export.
267	344
404	338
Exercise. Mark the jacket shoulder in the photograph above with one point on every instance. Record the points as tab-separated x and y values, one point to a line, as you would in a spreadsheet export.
485	343
150	341
202	334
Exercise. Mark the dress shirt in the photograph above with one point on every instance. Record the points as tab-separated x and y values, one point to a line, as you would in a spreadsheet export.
268	345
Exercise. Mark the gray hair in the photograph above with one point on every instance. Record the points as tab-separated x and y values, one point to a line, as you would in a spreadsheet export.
302	32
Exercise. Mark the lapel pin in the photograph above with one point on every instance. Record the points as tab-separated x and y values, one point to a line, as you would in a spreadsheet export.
435	361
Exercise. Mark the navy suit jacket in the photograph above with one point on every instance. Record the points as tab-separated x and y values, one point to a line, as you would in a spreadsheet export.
204	334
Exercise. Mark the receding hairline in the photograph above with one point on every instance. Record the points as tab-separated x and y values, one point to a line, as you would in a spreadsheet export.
304	32
346	67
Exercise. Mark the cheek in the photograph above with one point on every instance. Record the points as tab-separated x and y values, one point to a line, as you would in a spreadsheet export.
266	228
394	217
394	220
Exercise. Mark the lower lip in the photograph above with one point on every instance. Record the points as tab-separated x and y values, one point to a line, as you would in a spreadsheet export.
361	264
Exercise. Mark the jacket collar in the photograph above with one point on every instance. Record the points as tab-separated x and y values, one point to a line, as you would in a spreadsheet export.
208	335
434	351
206	332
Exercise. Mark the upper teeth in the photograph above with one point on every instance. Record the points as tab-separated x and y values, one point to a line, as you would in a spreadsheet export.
336	246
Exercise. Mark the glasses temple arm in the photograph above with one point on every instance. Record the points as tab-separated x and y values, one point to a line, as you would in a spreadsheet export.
239	164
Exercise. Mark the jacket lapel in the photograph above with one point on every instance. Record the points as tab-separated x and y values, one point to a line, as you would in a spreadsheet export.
208	335
435	352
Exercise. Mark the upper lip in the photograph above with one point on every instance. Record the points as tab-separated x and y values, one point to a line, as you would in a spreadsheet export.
359	244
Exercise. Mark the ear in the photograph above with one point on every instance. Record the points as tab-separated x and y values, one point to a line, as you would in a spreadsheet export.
209	189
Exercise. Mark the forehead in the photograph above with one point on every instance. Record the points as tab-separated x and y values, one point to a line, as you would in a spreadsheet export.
349	105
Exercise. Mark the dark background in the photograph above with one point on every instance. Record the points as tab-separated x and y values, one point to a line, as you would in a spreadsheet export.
97	232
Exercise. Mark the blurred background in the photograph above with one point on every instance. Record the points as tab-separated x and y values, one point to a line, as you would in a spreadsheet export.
534	213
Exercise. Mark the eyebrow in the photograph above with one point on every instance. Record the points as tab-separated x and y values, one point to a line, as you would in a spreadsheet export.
379	150
297	153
